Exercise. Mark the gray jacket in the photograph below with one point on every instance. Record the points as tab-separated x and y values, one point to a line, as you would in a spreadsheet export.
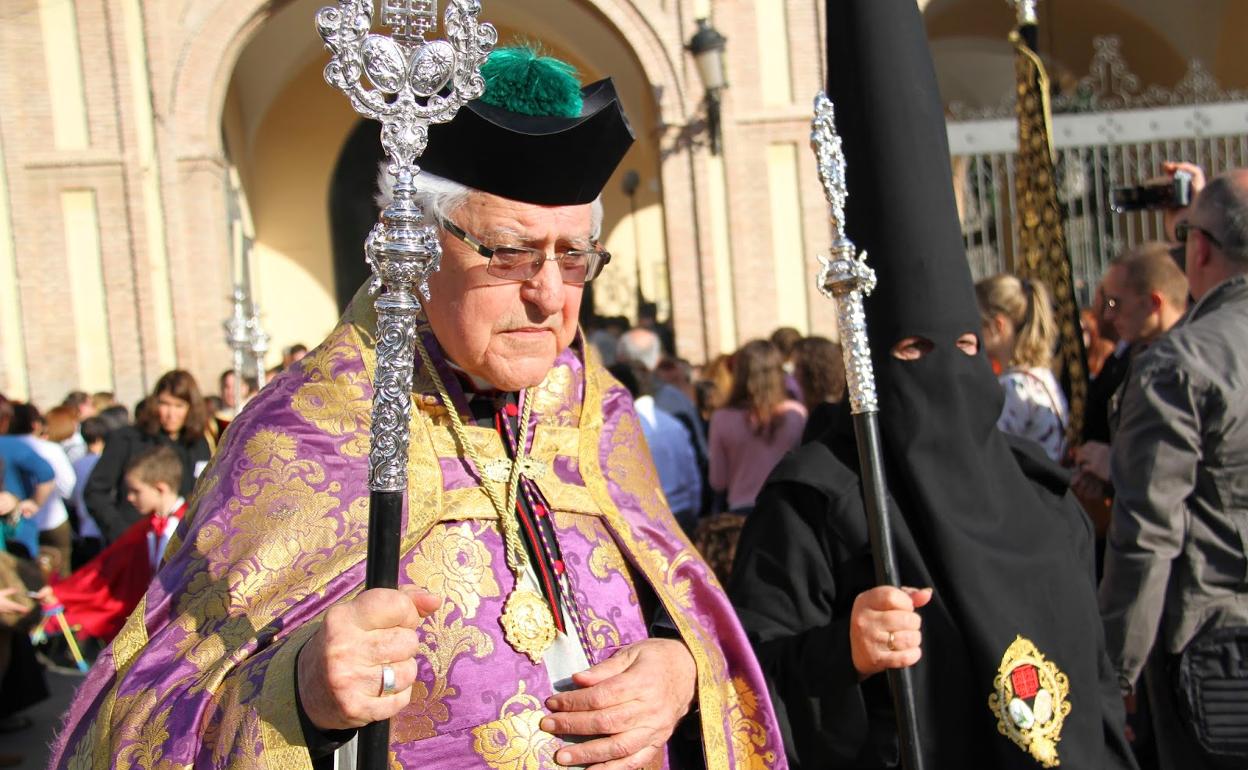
1177	557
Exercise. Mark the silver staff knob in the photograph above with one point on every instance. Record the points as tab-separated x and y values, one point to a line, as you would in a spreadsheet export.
845	275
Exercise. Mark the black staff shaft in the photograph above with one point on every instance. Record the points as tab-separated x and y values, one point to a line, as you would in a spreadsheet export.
879	527
385	527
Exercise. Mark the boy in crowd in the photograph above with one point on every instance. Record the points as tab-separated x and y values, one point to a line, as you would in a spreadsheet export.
100	596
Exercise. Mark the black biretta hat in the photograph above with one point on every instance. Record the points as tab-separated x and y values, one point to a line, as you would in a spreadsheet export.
529	149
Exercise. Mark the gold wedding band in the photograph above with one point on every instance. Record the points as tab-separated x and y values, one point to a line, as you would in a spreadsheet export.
387	681
891	645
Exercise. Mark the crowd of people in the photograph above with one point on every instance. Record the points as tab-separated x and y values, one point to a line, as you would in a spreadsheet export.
85	484
91	498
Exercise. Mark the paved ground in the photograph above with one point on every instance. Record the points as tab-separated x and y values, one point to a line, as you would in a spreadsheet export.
33	743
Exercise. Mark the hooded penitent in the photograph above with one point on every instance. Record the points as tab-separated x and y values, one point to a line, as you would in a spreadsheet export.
1011	674
203	673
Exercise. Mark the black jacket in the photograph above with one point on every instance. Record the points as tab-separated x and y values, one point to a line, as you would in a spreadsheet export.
105	493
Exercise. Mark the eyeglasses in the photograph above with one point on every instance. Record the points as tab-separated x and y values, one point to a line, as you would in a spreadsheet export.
1182	229
522	263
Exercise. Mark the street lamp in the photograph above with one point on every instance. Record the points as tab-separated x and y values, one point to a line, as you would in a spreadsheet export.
707	47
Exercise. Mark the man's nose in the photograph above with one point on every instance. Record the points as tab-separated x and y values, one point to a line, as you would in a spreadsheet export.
545	290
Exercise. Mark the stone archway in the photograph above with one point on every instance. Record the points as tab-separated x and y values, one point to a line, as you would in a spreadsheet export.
196	104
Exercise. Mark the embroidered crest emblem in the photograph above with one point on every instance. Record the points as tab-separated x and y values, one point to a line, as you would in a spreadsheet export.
1030	701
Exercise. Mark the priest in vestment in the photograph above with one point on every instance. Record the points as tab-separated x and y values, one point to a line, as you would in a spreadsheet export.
550	612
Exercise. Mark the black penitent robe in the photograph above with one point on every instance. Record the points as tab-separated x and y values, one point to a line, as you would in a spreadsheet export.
804	557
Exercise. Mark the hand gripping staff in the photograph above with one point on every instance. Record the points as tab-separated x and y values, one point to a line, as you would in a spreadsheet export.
846	278
406	83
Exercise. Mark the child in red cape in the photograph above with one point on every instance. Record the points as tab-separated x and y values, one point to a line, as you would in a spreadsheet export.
101	594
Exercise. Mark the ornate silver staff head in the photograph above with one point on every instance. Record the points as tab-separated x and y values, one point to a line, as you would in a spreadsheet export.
406	83
844	276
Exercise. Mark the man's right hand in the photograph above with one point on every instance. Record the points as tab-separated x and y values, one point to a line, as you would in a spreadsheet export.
884	629
1171	217
340	668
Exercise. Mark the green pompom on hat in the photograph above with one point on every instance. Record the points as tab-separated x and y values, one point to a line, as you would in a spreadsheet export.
521	80
535	135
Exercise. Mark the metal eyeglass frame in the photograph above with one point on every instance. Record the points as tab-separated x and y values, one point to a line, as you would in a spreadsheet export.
595	259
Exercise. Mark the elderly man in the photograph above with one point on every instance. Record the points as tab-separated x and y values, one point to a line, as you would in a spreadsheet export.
553	620
1173	596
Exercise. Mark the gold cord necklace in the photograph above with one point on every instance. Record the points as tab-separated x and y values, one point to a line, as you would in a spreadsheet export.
528	625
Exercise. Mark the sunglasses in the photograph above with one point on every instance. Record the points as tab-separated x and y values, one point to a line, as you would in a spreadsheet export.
1182	229
522	263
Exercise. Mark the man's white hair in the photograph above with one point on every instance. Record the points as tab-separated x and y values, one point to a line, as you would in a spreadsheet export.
442	198
640	345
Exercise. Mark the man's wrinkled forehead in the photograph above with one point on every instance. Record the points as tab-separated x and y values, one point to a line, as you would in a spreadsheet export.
499	219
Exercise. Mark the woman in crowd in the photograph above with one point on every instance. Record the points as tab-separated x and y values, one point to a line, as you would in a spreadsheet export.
173	415
747	438
714	386
819	369
1020	334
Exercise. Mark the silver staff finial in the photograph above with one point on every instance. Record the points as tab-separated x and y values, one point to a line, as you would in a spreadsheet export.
844	275
1025	11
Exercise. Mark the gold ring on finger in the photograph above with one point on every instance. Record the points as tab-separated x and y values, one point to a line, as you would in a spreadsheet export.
892	642
387	681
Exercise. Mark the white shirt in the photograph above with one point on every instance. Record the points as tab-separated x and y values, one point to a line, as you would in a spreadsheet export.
1035	408
53	513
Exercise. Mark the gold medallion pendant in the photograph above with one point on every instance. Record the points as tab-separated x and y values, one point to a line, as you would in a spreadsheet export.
528	625
1030	701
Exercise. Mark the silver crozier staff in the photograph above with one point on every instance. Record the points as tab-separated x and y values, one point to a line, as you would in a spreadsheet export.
846	278
414	83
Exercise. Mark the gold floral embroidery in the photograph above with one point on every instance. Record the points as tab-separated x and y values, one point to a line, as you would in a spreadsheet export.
749	738
453	563
336	403
442	641
515	741
602	633
269	445
141	740
319	363
552	399
633	469
131	639
589	526
337	407
605	559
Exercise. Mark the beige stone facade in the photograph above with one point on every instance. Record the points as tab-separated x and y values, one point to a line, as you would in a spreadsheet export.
122	123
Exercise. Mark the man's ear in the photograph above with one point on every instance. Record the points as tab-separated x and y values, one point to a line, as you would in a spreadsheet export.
1155	301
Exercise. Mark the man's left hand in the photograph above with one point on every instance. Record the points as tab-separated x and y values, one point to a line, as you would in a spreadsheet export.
633	700
1093	458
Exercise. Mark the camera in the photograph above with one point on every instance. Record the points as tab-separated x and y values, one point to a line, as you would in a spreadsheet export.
1154	195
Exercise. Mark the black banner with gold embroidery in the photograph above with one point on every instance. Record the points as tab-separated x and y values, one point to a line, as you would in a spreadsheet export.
1041	225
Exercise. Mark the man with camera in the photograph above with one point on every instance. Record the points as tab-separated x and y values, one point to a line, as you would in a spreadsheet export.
1175	565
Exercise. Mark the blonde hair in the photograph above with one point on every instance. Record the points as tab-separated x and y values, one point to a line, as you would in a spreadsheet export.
1029	308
